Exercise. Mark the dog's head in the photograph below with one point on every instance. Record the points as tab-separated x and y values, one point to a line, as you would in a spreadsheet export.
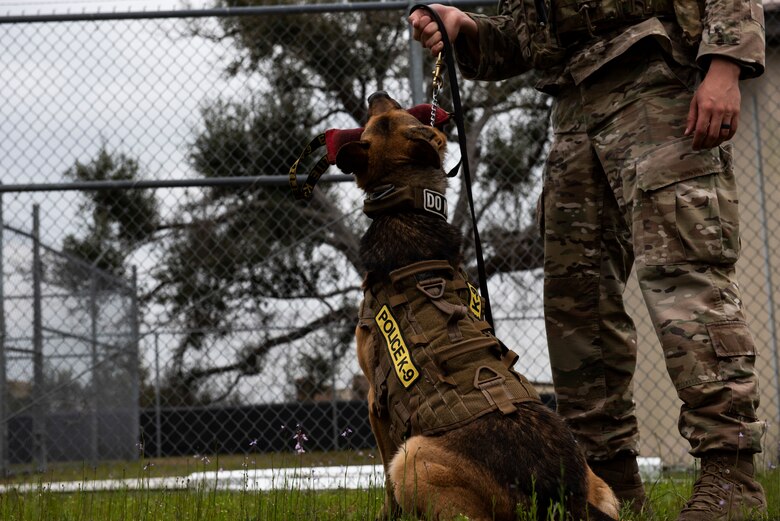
395	148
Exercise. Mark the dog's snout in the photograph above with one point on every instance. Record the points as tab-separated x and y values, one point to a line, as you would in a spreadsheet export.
377	95
381	102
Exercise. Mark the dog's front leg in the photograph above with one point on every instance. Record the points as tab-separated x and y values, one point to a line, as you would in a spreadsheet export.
380	426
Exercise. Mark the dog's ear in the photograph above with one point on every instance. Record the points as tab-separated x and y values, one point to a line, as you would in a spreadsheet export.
352	157
426	146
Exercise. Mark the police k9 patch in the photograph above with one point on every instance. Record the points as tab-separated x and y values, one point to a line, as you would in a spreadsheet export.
475	301
396	347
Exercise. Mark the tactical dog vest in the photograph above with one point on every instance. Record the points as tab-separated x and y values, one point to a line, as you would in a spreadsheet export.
437	364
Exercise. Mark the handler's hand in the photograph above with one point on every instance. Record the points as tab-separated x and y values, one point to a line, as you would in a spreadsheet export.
714	113
426	31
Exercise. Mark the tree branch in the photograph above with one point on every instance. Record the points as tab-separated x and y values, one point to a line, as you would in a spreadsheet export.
249	364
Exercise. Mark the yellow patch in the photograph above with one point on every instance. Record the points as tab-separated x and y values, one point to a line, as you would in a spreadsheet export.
475	301
396	346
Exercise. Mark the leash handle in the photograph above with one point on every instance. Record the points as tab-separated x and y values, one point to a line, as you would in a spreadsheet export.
306	191
464	158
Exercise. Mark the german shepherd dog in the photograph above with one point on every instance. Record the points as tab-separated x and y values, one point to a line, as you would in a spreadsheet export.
489	468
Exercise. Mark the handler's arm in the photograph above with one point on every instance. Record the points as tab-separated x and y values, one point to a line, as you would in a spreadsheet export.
486	47
731	48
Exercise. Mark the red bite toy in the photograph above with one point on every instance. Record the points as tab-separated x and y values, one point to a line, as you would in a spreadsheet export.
333	139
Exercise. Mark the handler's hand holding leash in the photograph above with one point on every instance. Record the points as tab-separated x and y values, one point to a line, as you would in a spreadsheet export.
426	31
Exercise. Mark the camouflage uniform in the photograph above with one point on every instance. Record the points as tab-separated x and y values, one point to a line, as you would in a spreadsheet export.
623	187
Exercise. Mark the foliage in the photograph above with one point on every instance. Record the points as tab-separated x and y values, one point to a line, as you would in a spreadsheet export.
118	220
241	256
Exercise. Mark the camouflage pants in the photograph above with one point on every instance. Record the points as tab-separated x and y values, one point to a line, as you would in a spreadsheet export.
623	187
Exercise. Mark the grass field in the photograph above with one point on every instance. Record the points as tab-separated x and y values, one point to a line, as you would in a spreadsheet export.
203	503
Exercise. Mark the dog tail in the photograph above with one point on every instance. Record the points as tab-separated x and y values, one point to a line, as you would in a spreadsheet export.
595	514
602	503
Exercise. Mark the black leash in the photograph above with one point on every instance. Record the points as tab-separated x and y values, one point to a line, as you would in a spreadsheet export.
464	158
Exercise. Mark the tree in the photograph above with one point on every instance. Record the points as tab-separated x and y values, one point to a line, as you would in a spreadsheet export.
117	222
236	253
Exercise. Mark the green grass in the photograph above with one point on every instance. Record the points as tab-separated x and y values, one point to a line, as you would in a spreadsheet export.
185	465
667	495
191	505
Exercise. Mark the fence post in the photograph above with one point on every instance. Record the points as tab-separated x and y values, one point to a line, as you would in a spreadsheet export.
334	405
157	412
3	382
38	409
416	77
134	361
96	387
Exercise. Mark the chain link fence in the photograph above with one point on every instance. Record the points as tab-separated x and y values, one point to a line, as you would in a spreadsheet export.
183	301
69	355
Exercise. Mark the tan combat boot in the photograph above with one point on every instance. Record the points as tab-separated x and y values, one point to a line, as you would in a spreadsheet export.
726	490
622	475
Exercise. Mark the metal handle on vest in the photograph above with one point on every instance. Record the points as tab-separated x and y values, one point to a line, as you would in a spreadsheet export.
494	390
434	290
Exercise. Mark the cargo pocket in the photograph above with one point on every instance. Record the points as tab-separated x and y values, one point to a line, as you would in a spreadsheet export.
736	352
732	340
688	206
